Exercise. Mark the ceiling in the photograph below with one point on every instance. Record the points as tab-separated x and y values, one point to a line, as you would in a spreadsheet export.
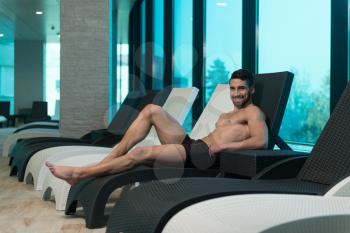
18	20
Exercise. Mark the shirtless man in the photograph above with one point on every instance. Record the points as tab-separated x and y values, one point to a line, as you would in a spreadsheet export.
242	128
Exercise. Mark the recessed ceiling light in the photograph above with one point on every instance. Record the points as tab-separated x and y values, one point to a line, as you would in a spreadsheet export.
38	12
1	34
221	4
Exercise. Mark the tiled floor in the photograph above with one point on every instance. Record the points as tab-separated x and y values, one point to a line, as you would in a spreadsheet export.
23	211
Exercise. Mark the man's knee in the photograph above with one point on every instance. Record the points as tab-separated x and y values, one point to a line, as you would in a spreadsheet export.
141	155
151	109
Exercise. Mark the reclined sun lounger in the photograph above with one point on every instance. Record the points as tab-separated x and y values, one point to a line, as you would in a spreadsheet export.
264	213
272	92
30	130
328	163
38	124
133	99
12	139
178	105
122	120
48	124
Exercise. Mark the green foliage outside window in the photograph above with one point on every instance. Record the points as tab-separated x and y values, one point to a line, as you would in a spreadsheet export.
217	73
307	110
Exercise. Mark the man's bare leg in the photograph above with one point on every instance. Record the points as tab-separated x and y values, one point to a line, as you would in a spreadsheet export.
166	155
169	131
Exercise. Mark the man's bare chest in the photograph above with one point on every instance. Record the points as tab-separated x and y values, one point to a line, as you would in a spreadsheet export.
236	117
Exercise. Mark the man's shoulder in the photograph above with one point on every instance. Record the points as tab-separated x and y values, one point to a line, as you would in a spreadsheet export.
253	110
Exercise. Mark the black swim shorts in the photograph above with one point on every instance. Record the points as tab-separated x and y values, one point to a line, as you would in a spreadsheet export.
197	154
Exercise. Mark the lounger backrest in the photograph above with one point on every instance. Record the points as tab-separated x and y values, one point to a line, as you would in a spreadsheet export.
134	102
179	102
330	158
5	108
178	105
218	103
271	95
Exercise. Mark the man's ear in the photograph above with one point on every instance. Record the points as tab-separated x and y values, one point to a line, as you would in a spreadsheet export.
252	90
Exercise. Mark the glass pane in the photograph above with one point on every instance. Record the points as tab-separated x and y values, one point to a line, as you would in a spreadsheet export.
122	72
52	77
7	83
294	35
223	46
158	56
183	49
143	44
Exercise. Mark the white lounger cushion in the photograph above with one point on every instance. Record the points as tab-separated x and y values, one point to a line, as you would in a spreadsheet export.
257	213
48	123
59	188
6	132
178	105
28	133
220	102
36	171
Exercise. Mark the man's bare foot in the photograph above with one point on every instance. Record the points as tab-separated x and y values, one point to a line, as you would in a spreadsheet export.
66	173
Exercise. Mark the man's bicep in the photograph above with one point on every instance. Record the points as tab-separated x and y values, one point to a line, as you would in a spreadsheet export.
257	125
259	133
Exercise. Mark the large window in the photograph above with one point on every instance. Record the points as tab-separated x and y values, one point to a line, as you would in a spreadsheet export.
223	44
294	35
52	77
122	72
158	52
143	45
7	73
183	48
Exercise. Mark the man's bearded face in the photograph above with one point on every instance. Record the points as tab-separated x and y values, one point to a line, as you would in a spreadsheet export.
240	92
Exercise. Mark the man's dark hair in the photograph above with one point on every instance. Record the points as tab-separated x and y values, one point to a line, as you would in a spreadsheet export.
245	75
